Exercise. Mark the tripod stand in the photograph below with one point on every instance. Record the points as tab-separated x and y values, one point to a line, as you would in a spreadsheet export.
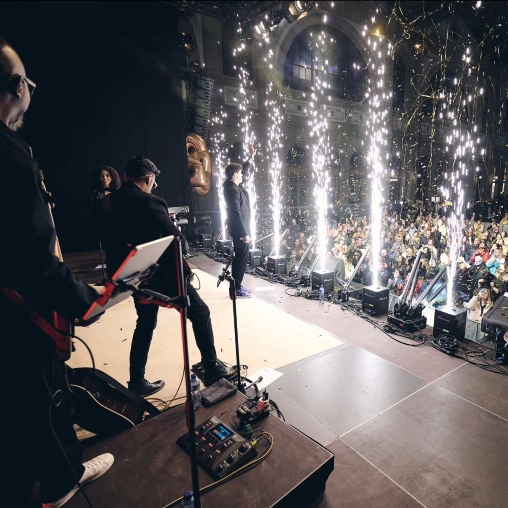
226	275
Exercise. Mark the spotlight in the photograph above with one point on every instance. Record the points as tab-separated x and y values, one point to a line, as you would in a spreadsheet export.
187	44
419	50
262	29
290	13
303	6
277	17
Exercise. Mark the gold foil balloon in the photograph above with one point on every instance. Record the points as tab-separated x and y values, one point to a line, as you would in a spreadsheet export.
199	163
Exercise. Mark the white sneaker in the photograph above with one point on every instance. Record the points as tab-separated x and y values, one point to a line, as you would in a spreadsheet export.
93	469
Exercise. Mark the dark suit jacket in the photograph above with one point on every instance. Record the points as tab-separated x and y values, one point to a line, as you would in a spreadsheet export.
27	256
238	209
137	217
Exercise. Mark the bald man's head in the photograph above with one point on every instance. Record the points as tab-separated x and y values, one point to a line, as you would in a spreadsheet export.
8	59
14	90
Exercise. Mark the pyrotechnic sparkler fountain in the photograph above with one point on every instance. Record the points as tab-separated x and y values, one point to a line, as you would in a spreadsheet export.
379	100
275	137
318	125
460	143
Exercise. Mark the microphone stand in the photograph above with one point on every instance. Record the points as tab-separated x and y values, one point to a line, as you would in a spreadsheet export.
226	275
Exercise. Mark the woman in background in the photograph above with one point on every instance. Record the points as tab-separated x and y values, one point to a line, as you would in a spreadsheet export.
103	181
479	305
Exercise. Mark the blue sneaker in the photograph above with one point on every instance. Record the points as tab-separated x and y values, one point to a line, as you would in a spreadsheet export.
241	293
247	290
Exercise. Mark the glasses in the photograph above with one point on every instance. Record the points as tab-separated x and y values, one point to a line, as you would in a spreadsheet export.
29	83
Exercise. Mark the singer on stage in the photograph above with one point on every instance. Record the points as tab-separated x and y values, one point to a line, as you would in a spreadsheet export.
238	220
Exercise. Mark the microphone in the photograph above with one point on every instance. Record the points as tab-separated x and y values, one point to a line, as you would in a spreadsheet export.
258	380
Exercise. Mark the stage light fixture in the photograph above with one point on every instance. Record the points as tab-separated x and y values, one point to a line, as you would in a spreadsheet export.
290	13
303	6
276	18
262	29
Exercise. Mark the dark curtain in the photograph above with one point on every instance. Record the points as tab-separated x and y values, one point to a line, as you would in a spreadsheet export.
108	89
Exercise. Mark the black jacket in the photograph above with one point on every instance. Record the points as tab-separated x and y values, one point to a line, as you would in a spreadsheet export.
137	217
27	258
238	207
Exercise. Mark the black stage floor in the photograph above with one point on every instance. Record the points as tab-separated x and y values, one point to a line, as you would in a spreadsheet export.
409	426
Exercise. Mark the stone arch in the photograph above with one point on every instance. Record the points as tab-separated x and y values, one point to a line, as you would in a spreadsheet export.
292	30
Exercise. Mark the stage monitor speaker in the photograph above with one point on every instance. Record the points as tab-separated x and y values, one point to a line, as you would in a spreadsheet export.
450	321
408	325
205	241
255	258
224	246
375	300
496	319
322	278
277	265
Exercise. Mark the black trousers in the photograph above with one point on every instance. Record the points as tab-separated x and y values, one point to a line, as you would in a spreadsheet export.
37	438
198	314
240	260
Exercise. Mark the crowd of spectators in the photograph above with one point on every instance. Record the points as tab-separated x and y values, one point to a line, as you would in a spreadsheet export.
481	276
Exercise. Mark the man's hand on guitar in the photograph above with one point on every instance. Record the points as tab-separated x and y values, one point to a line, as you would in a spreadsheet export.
87	322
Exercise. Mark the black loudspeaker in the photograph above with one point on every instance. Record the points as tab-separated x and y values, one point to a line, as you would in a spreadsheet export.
375	300
277	265
199	104
255	257
496	318
224	246
450	321
205	241
322	278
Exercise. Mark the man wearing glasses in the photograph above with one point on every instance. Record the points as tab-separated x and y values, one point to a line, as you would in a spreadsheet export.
39	437
137	216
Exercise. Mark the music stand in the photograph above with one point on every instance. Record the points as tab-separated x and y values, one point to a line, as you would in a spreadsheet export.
138	266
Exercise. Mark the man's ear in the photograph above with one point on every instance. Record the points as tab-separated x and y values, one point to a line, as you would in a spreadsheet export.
14	86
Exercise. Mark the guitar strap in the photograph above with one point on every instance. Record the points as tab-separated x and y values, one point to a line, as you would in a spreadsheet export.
134	397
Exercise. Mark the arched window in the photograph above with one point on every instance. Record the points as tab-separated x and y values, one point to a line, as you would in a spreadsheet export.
347	75
399	83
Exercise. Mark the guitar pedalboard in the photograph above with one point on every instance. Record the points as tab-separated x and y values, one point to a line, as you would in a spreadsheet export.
220	450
